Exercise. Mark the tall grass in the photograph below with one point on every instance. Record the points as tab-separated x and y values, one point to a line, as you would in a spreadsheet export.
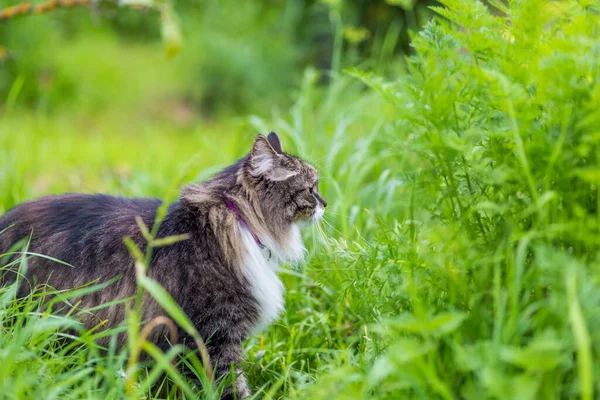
492	261
459	257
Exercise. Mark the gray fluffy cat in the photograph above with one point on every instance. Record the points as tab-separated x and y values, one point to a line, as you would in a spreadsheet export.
241	223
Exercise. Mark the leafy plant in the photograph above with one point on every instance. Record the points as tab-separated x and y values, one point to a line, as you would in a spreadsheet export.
497	124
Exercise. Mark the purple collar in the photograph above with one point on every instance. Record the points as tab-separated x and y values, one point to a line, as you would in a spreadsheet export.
233	207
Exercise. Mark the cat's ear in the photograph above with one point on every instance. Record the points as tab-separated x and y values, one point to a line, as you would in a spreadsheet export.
262	156
275	143
264	161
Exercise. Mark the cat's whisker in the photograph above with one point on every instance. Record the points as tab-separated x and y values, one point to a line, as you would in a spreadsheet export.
327	180
327	220
317	161
337	214
323	235
332	227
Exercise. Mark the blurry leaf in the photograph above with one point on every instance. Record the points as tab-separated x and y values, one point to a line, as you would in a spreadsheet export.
356	34
499	5
392	91
143	228
476	356
438	325
53	323
405	350
504	386
499	176
490	208
591	175
381	370
169	240
133	249
171	33
580	334
402	351
542	354
28	253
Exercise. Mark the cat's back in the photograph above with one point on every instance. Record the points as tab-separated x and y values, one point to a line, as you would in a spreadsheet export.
74	212
75	228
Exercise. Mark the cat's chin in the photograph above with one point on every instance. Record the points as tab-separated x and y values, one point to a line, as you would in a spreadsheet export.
319	212
304	223
315	217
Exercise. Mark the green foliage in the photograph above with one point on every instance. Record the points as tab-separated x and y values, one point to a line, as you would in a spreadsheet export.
499	116
460	253
239	56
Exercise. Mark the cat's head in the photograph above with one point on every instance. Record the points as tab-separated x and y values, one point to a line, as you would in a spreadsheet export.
287	187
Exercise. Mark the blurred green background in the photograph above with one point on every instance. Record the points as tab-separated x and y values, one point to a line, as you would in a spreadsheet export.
237	57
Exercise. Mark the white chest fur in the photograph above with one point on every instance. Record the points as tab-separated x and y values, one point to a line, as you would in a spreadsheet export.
266	286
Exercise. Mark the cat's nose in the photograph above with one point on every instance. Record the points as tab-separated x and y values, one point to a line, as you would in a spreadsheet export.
321	199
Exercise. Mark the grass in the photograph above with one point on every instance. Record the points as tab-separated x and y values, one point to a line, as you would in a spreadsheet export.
459	257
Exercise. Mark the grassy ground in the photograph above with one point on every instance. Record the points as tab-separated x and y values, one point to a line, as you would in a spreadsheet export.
460	254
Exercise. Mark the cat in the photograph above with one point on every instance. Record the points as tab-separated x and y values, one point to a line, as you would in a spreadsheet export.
241	224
